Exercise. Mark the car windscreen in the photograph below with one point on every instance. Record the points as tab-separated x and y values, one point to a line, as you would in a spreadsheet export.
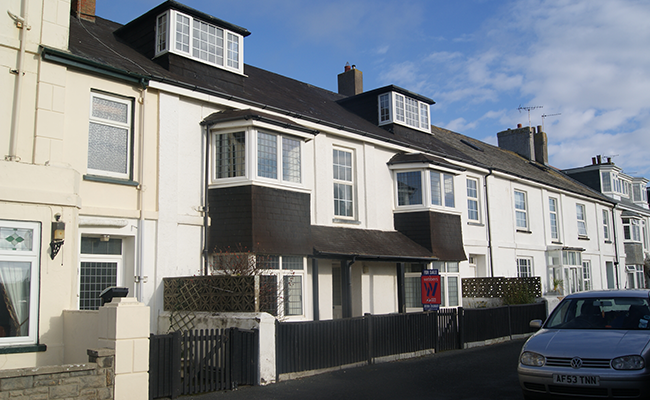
629	313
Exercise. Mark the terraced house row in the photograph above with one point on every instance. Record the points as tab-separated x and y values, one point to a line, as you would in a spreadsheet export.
149	150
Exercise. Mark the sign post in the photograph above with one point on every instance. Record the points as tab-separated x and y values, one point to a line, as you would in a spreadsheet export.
430	282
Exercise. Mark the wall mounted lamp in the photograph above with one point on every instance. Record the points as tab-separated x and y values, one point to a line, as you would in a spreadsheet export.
58	235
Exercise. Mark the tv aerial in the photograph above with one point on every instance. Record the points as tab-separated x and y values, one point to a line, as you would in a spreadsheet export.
528	108
547	115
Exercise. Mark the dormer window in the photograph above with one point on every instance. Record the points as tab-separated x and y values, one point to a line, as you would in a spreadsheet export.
191	37
404	110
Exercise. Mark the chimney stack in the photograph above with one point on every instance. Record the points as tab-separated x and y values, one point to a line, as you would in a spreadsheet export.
541	146
350	81
84	9
520	141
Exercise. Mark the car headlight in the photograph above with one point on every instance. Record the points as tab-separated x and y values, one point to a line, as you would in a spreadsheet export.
628	362
532	359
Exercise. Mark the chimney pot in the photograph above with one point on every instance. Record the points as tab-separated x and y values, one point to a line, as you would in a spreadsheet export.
539	129
600	160
347	67
593	160
609	160
519	126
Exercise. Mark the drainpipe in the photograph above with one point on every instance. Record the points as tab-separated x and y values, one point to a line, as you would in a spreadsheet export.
206	204
616	263
141	279
487	222
21	23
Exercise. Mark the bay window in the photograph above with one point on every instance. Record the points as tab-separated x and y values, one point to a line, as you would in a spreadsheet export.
270	149
409	188
404	110
230	155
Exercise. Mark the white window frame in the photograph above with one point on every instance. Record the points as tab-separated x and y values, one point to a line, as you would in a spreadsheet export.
338	181
284	273
632	229
447	198
586	275
521	212
128	126
525	267
230	173
118	260
231	42
283	160
473	203
554	218
421	189
19	253
412	280
581	218
606	231
403	110
635	277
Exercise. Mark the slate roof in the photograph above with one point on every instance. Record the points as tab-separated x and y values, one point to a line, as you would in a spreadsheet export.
96	43
366	244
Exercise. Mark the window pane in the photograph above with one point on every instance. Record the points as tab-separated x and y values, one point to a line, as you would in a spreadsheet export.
268	262
424	116
607	182
472	199
231	155
267	155
110	110
291	160
182	33
412	292
409	188
606	224
16	239
436	192
342	200
582	227
384	110
452	266
399	108
520	207
161	40
15	286
233	51
292	295
449	191
453	291
292	262
108	148
552	204
412	118
94	245
95	277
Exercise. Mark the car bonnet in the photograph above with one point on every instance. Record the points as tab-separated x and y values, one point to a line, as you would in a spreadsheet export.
601	343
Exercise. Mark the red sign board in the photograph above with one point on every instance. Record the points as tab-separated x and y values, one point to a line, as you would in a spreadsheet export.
430	289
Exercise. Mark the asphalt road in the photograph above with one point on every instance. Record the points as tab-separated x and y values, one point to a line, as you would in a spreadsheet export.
481	373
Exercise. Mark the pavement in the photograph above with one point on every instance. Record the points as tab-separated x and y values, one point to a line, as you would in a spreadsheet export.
480	373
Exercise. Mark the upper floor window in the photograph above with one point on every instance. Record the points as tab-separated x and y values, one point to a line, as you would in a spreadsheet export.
110	136
230	157
521	210
582	220
185	35
606	224
343	183
409	188
554	217
19	279
639	193
472	200
632	229
607	181
442	189
270	149
398	108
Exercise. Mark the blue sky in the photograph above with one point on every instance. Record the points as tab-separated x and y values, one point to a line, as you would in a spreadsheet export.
481	61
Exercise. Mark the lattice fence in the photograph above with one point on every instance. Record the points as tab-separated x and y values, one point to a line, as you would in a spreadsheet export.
497	287
221	293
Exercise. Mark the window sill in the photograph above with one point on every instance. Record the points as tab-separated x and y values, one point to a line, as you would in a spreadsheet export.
524	231
346	221
28	348
104	179
475	224
608	241
556	242
583	237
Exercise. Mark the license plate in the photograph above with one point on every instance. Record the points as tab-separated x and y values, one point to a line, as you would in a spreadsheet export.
578	380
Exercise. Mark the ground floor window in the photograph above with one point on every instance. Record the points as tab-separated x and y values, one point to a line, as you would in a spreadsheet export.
635	277
611	276
449	282
19	278
283	284
524	267
413	286
586	274
101	265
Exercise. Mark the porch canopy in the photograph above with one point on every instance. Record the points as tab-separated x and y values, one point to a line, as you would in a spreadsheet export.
366	244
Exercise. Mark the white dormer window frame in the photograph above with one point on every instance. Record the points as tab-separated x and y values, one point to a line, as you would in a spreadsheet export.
396	108
185	35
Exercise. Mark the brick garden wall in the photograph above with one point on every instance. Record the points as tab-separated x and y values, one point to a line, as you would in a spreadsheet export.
91	381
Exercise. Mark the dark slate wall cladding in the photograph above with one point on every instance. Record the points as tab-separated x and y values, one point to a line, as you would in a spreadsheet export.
589	178
281	221
438	232
260	219
633	254
231	214
141	36
188	68
366	107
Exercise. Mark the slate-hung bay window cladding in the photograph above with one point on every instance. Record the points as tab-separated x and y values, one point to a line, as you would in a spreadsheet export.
400	109
186	35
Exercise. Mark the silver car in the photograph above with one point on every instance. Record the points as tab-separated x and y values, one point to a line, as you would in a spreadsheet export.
593	345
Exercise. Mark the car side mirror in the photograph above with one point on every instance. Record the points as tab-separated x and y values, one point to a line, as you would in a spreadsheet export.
536	323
